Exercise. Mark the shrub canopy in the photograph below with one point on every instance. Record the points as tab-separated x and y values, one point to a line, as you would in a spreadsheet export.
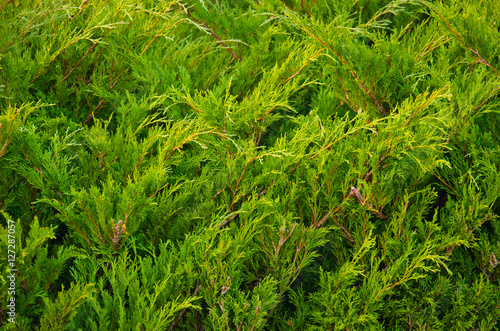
250	165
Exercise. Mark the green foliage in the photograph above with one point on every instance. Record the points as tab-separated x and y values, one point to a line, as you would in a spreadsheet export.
250	165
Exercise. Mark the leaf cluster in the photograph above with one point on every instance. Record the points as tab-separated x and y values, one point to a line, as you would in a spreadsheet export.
251	165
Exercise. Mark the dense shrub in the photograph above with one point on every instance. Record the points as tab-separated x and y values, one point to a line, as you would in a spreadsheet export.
248	165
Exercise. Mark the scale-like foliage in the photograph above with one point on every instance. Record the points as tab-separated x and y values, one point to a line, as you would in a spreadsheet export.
250	165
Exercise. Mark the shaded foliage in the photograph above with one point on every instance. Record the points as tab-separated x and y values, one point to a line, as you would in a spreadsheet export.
250	165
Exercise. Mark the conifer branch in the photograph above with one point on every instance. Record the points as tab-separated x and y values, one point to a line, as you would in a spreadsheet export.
5	4
312	58
95	224
491	95
227	220
91	48
354	192
174	323
185	141
346	232
474	51
206	28
282	240
324	218
379	113
72	224
355	77
432	45
28	25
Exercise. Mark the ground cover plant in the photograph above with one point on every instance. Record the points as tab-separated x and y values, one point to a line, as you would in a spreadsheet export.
249	165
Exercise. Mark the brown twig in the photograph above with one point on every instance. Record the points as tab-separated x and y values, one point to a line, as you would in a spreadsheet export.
227	220
322	220
355	193
207	28
95	224
282	240
5	4
298	72
73	225
91	48
353	74
479	58
174	323
346	232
